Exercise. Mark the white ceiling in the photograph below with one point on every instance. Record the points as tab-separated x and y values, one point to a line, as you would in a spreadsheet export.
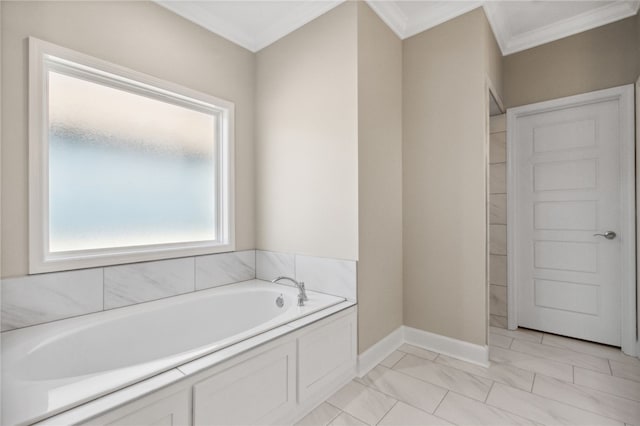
517	24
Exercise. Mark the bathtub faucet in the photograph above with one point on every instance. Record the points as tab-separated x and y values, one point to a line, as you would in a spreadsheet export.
302	295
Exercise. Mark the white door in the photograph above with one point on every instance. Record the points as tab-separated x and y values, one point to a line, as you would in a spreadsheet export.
571	183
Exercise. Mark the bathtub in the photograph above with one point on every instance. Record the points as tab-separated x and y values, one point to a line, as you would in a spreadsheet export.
52	367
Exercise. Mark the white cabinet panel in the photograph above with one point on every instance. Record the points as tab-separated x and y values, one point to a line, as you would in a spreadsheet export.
324	353
173	410
259	390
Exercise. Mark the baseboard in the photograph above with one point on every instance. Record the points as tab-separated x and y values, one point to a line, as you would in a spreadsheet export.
465	351
378	352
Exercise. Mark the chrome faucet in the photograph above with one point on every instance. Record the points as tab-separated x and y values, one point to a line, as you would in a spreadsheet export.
302	295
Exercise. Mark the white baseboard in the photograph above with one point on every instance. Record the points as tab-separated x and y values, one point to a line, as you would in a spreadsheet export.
465	351
378	352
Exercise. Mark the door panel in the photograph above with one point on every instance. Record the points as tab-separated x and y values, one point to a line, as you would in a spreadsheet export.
567	168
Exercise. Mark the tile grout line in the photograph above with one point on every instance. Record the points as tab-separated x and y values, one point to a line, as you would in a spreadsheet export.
533	382
582	352
490	388
385	414
562	361
373	387
334	417
440	403
570	404
399	359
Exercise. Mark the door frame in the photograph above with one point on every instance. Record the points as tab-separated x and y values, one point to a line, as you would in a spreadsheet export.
625	96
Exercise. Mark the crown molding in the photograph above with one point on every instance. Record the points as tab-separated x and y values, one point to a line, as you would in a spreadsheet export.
302	12
198	13
390	14
296	18
498	26
438	14
567	27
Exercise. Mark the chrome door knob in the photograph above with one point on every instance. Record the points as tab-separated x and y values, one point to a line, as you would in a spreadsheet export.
609	235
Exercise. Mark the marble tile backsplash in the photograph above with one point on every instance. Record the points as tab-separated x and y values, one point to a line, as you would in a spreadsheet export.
332	276
227	268
141	282
271	264
48	297
41	298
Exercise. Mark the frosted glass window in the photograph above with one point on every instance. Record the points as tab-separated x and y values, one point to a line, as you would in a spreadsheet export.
123	167
127	170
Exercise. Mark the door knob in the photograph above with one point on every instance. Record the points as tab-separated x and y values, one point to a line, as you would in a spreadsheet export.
609	235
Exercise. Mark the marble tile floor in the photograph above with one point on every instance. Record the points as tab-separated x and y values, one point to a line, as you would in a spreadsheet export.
534	379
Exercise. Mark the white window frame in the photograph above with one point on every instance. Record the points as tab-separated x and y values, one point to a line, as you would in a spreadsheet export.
44	56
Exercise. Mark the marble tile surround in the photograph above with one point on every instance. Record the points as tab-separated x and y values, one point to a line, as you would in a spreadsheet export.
332	276
41	298
498	221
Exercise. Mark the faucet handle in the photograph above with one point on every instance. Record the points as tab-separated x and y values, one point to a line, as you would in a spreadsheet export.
303	290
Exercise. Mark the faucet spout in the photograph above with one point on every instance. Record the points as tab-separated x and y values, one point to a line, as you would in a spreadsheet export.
302	293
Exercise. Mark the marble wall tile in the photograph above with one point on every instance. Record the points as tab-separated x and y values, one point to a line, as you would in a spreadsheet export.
331	276
498	148
498	178
498	209
497	321
270	265
498	239
143	282
498	300
36	299
225	268
498	269
498	123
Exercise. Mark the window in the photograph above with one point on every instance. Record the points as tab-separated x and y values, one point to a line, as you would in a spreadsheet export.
123	167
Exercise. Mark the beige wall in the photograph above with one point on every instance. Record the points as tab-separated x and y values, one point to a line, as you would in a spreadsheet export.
380	179
307	139
445	114
138	35
597	59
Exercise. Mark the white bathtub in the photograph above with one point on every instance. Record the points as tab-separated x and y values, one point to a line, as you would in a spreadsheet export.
52	367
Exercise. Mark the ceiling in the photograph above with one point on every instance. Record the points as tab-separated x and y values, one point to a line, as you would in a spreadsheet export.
517	24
